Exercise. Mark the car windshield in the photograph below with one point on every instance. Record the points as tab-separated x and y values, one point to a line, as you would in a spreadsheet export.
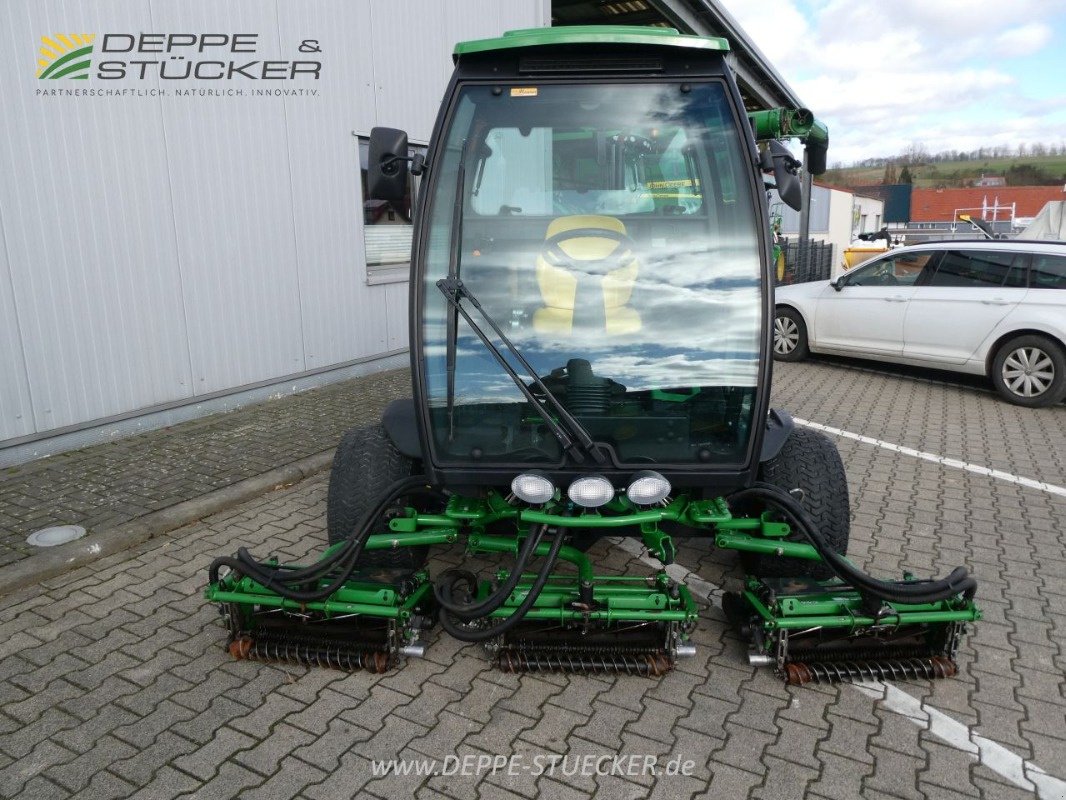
611	231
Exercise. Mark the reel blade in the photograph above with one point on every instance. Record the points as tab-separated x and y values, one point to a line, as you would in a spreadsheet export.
634	650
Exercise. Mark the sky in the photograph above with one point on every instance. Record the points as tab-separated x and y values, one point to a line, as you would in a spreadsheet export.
947	74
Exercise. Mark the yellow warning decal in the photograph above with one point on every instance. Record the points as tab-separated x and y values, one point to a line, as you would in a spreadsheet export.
523	91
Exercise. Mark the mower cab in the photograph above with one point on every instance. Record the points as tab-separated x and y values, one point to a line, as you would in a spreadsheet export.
591	290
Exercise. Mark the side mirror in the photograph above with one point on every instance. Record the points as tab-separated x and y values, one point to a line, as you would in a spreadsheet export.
839	282
387	165
788	182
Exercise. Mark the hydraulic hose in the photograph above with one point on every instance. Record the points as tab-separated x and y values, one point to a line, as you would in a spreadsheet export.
343	560
483	634
443	588
959	581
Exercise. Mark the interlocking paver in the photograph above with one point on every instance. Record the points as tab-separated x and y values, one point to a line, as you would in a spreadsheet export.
113	679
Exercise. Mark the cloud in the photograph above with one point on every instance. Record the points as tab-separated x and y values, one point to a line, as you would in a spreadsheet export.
884	75
1022	40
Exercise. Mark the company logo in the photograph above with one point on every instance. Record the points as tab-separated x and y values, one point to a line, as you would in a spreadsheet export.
66	55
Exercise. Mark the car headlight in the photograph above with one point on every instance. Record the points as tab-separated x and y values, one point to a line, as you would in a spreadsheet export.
591	491
647	488
533	488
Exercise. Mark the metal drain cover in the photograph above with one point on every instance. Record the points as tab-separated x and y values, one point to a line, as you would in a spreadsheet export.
60	534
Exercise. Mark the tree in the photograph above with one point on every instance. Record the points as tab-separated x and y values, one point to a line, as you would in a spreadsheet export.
890	174
905	175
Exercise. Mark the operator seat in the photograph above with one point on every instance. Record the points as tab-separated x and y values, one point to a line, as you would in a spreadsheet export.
586	272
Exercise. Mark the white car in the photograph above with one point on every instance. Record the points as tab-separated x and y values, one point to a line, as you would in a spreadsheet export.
995	308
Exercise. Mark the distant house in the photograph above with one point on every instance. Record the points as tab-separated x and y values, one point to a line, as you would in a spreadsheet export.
990	180
1002	203
896	199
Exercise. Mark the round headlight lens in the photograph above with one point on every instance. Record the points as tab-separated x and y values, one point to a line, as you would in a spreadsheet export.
647	488
591	491
533	487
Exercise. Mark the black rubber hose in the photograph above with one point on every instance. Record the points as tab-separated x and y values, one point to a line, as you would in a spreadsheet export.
931	591
917	592
442	589
278	578
483	634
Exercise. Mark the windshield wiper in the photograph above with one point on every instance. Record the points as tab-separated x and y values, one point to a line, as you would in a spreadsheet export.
453	289
452	322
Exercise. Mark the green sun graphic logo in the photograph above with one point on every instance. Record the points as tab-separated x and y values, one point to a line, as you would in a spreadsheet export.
65	55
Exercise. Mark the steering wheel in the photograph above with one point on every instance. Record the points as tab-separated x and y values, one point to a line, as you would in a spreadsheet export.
623	252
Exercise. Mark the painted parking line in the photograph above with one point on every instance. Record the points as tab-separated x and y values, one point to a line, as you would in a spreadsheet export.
993	755
977	469
1004	762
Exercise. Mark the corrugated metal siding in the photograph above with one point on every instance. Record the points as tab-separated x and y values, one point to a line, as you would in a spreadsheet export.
16	412
156	249
89	235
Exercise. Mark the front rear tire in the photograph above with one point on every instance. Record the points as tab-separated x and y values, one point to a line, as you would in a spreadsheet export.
365	465
1030	370
809	462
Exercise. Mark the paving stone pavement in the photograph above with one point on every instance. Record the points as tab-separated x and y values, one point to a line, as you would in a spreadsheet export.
114	681
105	485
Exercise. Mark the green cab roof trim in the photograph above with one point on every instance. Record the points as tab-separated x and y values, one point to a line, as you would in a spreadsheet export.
592	34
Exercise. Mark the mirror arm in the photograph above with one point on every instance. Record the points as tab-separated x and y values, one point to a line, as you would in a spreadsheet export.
417	162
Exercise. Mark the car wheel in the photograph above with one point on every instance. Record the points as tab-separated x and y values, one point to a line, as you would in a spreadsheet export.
790	335
1030	371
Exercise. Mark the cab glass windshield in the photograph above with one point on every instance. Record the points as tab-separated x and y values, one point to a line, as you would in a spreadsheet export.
611	233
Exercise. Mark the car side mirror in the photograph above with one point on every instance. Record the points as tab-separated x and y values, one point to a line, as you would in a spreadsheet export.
387	165
839	282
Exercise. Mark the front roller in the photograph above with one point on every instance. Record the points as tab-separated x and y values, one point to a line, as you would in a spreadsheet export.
366	624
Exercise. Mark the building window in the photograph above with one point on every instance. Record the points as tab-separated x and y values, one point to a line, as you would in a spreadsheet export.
387	227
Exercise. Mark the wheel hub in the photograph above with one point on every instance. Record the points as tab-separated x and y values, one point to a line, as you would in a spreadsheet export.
1028	371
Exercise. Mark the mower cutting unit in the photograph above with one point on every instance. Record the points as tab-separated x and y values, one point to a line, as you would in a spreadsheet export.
591	290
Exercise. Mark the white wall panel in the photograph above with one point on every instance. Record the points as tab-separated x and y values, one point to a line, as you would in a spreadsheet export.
160	248
342	317
229	173
16	411
89	230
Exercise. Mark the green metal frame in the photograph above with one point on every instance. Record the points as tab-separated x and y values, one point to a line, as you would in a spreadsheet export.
615	598
844	609
592	34
367	598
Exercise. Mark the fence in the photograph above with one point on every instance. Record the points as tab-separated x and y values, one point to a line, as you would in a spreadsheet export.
815	265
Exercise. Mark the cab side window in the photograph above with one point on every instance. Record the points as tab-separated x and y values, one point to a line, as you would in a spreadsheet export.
1048	272
901	270
976	268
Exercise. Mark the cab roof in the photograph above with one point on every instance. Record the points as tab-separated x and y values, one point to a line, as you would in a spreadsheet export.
592	34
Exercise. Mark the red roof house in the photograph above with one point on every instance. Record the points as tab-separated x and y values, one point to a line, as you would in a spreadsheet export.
940	205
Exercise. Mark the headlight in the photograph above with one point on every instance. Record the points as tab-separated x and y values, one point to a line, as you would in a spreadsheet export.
591	491
647	488
533	487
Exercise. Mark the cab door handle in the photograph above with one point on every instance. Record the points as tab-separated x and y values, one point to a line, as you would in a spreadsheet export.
896	298
996	301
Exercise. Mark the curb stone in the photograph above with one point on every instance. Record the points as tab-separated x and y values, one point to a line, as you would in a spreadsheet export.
55	561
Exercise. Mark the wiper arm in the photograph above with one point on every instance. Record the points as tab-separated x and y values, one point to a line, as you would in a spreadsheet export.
454	290
451	331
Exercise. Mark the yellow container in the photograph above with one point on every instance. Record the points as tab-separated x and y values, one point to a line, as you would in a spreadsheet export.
854	256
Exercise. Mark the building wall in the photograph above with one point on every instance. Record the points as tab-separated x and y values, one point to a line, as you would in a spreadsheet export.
835	218
868	215
158	249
